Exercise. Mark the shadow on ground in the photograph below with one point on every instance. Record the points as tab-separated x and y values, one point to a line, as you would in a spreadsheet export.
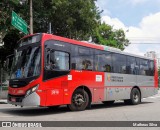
39	111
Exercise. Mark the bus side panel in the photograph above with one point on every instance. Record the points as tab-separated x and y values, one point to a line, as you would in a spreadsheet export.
118	86
147	91
54	97
94	81
98	95
54	91
42	96
146	85
59	90
98	90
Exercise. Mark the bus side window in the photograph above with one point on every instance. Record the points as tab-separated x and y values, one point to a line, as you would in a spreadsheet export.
103	61
144	67
82	58
131	65
119	63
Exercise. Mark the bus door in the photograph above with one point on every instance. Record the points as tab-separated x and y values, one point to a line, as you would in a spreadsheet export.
57	69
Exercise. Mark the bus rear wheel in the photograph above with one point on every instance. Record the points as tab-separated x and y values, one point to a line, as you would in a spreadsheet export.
80	100
135	97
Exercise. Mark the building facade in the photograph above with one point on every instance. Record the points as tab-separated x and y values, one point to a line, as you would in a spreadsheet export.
153	55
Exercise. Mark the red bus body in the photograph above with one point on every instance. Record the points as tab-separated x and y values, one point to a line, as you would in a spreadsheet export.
59	90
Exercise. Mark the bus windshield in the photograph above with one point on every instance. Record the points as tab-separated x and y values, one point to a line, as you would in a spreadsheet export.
26	62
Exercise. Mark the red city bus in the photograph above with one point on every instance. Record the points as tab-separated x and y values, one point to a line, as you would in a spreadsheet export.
49	70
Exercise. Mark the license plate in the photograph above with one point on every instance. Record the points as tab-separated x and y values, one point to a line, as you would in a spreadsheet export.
13	99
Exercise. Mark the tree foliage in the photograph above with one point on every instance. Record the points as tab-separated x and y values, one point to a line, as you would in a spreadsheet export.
10	35
106	35
76	19
6	7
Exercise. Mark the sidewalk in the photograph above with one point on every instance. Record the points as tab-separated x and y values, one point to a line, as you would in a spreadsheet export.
3	97
3	101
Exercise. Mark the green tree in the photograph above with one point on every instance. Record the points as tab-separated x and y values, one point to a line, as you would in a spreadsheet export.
10	39
6	8
76	19
106	35
10	35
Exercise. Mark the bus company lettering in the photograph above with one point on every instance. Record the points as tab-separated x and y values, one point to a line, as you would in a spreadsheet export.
116	79
109	78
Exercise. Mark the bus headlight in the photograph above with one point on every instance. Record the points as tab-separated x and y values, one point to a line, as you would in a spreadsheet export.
32	90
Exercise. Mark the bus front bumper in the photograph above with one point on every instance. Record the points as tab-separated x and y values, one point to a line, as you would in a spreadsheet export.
31	100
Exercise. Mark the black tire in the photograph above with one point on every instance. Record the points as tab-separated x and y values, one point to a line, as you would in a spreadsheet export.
108	102
135	97
79	101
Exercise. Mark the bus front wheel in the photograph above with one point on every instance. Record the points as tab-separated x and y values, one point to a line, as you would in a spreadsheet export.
80	100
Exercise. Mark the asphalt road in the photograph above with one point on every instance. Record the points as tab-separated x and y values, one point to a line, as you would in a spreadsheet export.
148	110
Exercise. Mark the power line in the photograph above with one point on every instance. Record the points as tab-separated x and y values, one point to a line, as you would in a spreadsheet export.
144	42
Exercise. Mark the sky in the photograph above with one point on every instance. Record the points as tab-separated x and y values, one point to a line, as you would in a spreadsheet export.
140	20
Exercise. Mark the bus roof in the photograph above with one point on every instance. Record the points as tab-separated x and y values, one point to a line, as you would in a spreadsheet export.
90	45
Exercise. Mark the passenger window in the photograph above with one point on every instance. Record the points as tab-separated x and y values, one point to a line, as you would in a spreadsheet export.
131	67
143	67
57	60
119	63
103	61
151	68
82	58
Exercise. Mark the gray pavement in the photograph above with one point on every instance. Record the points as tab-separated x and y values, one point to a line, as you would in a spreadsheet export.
148	110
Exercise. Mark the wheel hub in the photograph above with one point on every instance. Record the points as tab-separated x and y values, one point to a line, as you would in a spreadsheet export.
78	99
135	97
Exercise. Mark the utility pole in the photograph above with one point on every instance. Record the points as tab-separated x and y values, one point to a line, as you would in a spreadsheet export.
30	13
31	17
